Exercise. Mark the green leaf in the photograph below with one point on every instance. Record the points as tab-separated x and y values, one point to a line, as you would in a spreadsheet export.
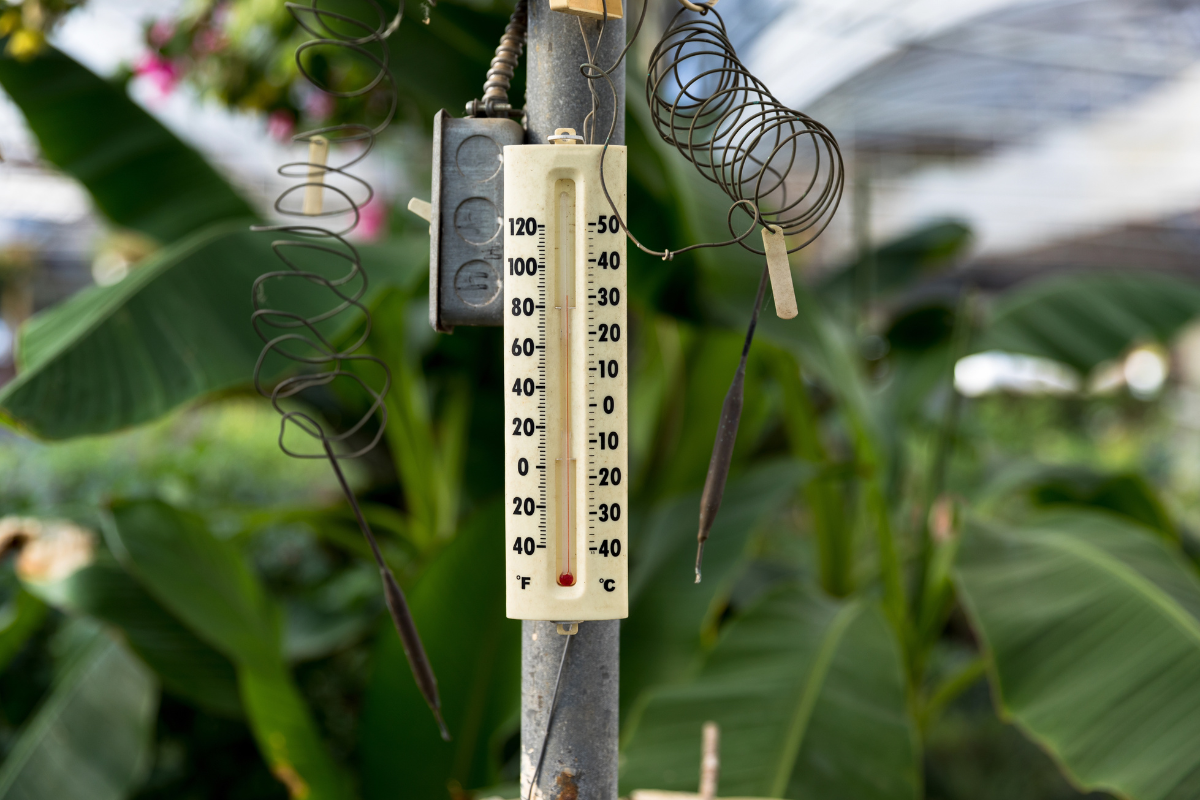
428	451
680	461
1084	320
900	263
312	632
177	328
202	580
1124	493
670	615
287	736
205	582
187	667
458	605
138	173
91	738
1092	625
810	697
20	618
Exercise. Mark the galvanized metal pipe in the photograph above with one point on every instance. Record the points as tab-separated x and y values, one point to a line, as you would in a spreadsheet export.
581	751
556	93
580	761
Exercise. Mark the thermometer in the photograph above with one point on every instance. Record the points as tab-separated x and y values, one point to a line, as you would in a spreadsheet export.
565	377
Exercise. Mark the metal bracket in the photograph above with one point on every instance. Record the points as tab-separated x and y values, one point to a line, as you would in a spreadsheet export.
466	241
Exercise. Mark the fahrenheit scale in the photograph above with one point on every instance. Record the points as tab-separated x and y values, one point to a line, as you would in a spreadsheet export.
565	375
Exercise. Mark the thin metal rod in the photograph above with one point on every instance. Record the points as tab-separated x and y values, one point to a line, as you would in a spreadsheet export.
550	716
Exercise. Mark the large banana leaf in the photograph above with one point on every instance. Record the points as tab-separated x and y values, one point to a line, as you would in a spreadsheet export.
288	738
138	173
1126	493
428	443
186	665
478	671
91	738
1092	625
670	614
680	460
205	582
177	328
1083	320
810	697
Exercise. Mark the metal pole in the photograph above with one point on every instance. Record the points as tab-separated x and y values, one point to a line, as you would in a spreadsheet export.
580	761
556	94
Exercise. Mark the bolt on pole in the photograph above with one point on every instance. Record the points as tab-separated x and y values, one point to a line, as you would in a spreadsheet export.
580	760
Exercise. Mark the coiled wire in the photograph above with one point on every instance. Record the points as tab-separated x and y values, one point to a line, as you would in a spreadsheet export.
307	338
719	116
781	168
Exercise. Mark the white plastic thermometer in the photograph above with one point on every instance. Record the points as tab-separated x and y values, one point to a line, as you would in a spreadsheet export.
566	470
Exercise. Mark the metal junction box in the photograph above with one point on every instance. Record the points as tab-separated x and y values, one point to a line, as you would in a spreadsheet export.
466	250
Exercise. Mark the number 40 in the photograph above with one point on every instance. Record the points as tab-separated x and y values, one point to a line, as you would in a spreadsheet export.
610	547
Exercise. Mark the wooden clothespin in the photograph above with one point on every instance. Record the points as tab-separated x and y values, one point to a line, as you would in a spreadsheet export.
592	9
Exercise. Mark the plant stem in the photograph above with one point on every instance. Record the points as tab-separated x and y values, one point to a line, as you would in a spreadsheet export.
943	451
950	690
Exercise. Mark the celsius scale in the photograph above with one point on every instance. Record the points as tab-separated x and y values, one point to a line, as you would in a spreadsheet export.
565	378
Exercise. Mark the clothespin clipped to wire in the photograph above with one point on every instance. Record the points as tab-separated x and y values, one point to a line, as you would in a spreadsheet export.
699	8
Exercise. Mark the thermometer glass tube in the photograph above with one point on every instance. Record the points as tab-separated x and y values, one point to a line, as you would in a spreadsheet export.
564	278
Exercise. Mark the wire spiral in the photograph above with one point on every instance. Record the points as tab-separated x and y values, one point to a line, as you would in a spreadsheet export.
321	256
707	105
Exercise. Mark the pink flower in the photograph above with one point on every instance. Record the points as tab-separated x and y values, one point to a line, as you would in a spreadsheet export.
161	32
281	125
220	13
372	220
318	105
162	72
209	40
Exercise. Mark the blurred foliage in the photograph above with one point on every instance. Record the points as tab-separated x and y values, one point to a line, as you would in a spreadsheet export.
884	547
26	24
225	451
242	53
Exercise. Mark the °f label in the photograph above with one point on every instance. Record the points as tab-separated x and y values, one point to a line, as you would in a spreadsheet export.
565	374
